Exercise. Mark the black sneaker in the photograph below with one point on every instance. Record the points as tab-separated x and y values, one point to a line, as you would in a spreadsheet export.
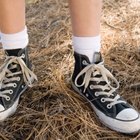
15	77
95	83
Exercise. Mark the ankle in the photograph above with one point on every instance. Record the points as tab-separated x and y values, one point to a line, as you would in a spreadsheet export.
87	46
14	41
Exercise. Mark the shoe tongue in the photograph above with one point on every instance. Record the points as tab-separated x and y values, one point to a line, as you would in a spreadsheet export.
14	52
97	57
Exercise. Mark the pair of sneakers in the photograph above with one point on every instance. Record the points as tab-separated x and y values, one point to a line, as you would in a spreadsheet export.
93	81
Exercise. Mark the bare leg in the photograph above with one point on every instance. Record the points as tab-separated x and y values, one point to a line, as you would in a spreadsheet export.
113	111
14	39
12	15
85	15
12	24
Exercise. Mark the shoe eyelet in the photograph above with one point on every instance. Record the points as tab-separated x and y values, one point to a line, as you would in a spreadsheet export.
102	100
22	86
18	78
8	98
23	55
91	86
84	62
109	106
15	85
10	91
96	94
87	95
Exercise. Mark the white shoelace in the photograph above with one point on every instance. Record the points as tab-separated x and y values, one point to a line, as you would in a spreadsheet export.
91	71
7	76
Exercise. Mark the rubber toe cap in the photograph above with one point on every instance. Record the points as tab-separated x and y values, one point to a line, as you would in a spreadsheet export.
128	115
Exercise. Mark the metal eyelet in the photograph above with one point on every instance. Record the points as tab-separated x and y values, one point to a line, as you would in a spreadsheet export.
87	95
109	106
102	100
8	98
96	94
18	78
15	85
84	62
10	91
91	86
23	55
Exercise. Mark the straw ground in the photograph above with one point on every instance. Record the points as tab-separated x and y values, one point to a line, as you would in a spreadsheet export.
51	110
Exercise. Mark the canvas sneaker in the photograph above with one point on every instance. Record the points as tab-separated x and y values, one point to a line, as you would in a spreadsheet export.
15	77
99	87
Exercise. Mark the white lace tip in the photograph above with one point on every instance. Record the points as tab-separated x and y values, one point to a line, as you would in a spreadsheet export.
30	86
36	78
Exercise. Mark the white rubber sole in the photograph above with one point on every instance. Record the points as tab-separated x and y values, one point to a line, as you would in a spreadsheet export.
5	114
126	127
10	111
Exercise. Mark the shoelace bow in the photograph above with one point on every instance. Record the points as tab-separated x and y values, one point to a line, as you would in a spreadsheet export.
91	71
7	76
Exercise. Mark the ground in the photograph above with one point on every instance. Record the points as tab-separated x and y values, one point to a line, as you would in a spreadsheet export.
51	110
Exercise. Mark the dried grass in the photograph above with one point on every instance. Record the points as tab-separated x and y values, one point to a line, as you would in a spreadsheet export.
51	110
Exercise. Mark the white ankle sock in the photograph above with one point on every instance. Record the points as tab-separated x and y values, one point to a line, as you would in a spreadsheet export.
87	45
15	41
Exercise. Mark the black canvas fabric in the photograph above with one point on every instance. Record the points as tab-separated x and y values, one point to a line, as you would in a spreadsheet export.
21	86
96	101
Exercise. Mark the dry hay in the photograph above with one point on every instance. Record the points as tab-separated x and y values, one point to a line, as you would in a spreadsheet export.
51	110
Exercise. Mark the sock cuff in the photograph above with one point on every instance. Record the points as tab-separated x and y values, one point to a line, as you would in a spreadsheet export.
16	40
87	37
15	35
86	43
90	42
